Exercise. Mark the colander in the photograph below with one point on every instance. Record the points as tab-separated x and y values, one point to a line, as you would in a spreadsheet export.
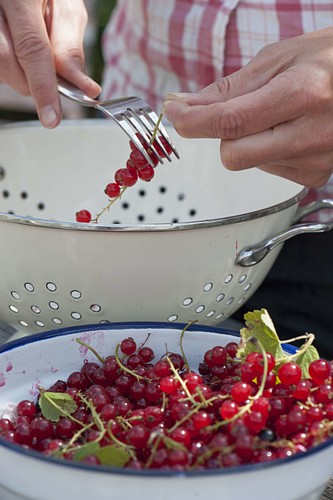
193	244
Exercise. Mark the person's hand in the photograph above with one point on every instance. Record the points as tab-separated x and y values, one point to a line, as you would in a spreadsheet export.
39	38
275	113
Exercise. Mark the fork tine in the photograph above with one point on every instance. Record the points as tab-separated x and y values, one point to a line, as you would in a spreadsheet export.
150	127
153	116
128	129
138	123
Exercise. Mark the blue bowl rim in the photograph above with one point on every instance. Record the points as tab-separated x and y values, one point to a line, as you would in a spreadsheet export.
31	339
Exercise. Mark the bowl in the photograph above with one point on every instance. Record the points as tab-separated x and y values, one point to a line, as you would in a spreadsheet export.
170	250
40	360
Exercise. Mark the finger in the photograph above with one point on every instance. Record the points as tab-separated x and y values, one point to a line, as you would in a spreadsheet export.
282	99
255	74
304	177
287	140
69	20
322	162
10	71
34	54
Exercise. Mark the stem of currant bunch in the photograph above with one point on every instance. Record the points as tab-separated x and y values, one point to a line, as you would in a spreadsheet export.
108	206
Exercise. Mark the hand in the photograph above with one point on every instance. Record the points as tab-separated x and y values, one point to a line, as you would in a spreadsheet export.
39	38
275	113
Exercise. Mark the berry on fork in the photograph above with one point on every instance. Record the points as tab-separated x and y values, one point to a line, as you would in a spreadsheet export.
137	167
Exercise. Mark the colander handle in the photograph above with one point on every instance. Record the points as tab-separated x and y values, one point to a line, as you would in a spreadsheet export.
251	255
312	207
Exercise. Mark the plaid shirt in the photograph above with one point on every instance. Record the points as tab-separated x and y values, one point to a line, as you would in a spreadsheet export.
152	47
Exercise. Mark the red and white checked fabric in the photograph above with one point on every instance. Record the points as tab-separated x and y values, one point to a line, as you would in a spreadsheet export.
152	47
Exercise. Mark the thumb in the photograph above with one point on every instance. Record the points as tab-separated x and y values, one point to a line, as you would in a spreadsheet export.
249	78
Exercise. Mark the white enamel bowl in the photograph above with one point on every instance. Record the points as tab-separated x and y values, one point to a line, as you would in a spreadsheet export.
42	359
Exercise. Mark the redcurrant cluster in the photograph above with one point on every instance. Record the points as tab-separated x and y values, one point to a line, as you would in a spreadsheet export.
137	167
165	415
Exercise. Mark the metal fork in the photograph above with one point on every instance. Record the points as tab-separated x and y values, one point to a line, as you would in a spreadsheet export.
133	115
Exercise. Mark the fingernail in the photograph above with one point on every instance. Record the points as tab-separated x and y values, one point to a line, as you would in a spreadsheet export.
48	117
177	96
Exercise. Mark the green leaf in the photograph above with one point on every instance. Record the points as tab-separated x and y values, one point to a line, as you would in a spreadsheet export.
305	358
171	444
56	404
259	326
85	450
113	455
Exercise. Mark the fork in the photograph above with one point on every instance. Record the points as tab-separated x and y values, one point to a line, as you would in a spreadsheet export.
133	115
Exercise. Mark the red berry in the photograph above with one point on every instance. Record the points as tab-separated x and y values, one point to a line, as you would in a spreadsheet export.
241	391
26	408
83	216
128	346
137	159
290	374
112	190
228	409
319	370
165	143
126	176
146	173
169	385
201	419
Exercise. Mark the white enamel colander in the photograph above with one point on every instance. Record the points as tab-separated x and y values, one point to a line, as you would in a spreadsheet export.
192	244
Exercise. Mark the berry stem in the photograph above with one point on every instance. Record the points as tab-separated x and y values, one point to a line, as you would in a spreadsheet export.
107	207
124	368
156	128
98	356
181	342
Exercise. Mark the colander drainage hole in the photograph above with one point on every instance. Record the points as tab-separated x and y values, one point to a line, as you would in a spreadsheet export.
2	173
199	309
51	286
24	195
172	318
208	287
13	309
5	193
76	315
15	295
29	287
76	294
35	309
95	308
